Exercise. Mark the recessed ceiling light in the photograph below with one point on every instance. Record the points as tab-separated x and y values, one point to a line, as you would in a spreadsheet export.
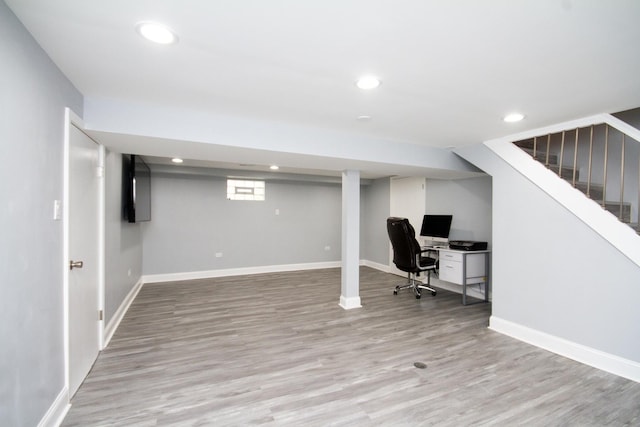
364	118
156	33
177	160
274	167
513	117
368	82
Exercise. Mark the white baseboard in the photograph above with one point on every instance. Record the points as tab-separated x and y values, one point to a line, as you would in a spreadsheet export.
119	314
589	356
191	275
57	411
382	267
349	302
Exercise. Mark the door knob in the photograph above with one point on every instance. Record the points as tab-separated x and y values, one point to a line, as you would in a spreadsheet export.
75	264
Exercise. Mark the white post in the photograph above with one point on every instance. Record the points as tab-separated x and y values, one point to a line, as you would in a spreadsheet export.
350	297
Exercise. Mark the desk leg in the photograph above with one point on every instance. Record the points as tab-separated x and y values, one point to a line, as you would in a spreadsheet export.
464	280
464	292
486	275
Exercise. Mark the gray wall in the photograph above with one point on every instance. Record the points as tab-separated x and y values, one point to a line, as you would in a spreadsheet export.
374	211
630	116
34	94
552	273
468	200
192	220
123	241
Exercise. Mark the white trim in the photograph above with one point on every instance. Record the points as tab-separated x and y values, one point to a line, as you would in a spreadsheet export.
102	233
191	275
350	302
589	356
382	267
573	124
623	127
72	119
588	211
57	411
120	312
68	117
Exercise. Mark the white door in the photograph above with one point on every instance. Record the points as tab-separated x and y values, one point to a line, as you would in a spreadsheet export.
408	200
83	211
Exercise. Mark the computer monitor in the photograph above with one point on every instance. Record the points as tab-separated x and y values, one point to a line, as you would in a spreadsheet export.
435	228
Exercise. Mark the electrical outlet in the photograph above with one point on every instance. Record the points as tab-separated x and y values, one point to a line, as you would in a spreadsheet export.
327	248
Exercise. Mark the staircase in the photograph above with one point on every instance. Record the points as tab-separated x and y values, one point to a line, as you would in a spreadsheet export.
599	160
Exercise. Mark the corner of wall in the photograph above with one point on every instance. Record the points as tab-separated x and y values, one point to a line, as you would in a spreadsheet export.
117	317
589	356
57	411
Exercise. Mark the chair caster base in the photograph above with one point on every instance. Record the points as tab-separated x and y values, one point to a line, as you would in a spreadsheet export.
418	295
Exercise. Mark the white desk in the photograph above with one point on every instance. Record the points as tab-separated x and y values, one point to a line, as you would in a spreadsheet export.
463	268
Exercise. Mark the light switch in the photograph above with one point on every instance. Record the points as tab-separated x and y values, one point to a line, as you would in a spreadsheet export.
57	210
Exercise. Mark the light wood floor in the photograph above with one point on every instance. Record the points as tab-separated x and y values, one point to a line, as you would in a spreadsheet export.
277	349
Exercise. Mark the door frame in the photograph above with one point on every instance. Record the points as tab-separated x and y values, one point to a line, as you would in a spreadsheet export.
408	199
72	119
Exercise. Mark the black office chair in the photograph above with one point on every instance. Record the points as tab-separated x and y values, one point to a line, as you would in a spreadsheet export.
407	256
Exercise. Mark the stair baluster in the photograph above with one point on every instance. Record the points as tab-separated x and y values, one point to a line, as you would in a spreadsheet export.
575	160
604	174
600	148
621	179
590	162
560	161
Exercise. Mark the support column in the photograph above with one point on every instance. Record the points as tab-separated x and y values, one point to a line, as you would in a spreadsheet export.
350	296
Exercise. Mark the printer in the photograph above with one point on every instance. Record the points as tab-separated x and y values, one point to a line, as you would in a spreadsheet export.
467	245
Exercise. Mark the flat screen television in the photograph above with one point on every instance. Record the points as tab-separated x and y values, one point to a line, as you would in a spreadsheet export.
136	194
436	228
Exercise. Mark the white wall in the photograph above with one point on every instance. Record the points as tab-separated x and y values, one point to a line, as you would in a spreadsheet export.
407	199
374	241
34	95
468	200
123	241
192	221
280	141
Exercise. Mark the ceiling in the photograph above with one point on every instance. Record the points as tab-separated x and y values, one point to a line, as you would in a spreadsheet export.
450	70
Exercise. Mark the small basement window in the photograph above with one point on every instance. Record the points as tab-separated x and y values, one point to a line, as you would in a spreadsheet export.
245	190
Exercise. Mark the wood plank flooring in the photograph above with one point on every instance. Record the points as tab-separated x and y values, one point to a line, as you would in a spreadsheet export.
278	350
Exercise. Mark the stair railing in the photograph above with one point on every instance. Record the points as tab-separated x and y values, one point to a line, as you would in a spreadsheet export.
555	158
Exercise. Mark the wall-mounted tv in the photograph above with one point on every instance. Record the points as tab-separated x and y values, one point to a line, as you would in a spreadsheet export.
136	192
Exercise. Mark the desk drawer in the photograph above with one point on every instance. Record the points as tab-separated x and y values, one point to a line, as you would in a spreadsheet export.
450	271
450	256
